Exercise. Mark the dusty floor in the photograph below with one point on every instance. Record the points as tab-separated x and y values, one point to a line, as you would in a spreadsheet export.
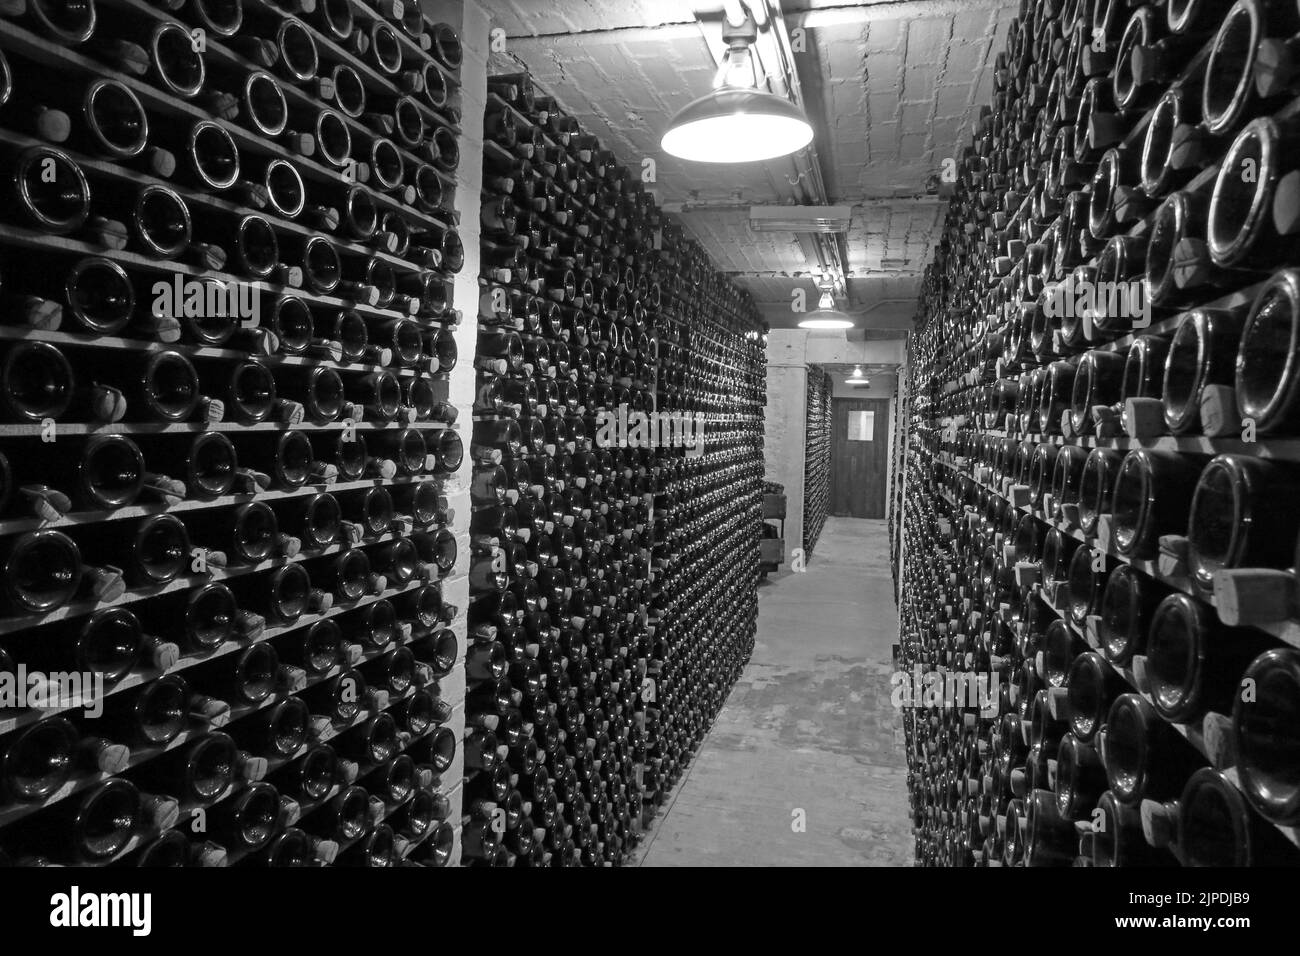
809	727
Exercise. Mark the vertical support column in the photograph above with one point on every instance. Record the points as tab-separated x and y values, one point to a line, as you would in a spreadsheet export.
471	22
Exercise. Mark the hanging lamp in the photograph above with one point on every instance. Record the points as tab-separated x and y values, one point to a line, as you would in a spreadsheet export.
736	122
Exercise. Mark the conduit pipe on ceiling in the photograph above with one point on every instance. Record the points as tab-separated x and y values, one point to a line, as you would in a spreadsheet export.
776	56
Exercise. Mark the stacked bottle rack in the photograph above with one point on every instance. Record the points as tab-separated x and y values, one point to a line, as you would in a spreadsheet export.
817	457
897	469
614	584
1100	499
227	258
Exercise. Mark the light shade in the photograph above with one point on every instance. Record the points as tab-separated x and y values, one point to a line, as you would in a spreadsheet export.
825	319
731	125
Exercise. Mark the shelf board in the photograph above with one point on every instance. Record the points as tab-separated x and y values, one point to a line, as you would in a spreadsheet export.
1279	449
80	518
83	608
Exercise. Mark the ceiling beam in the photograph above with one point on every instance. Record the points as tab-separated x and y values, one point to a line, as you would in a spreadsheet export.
853	274
856	202
842	15
871	368
858	313
663	33
851	14
876	202
898	326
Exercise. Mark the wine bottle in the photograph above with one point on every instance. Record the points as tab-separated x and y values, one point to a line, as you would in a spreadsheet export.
39	759
248	820
1152	496
1194	664
1229	93
153	716
36	382
1215	826
313	777
1262	742
1118	840
1226	529
249	677
198	774
43	571
100	824
208	617
153	551
68	22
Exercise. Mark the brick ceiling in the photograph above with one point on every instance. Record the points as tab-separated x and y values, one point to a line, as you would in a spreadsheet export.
892	89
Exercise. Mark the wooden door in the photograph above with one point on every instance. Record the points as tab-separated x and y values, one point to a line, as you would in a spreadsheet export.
859	457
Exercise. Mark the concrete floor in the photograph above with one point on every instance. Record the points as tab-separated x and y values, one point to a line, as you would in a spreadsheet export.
809	727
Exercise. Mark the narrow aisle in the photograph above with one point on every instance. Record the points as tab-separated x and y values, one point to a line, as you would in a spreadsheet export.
809	726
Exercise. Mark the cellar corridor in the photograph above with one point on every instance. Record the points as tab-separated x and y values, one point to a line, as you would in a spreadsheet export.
809	726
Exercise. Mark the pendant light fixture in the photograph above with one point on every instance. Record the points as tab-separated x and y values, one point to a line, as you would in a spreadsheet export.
737	122
826	316
858	377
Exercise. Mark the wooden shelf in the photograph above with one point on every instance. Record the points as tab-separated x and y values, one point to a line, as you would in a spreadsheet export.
83	608
23	238
1278	449
15	720
75	519
13	430
110	343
